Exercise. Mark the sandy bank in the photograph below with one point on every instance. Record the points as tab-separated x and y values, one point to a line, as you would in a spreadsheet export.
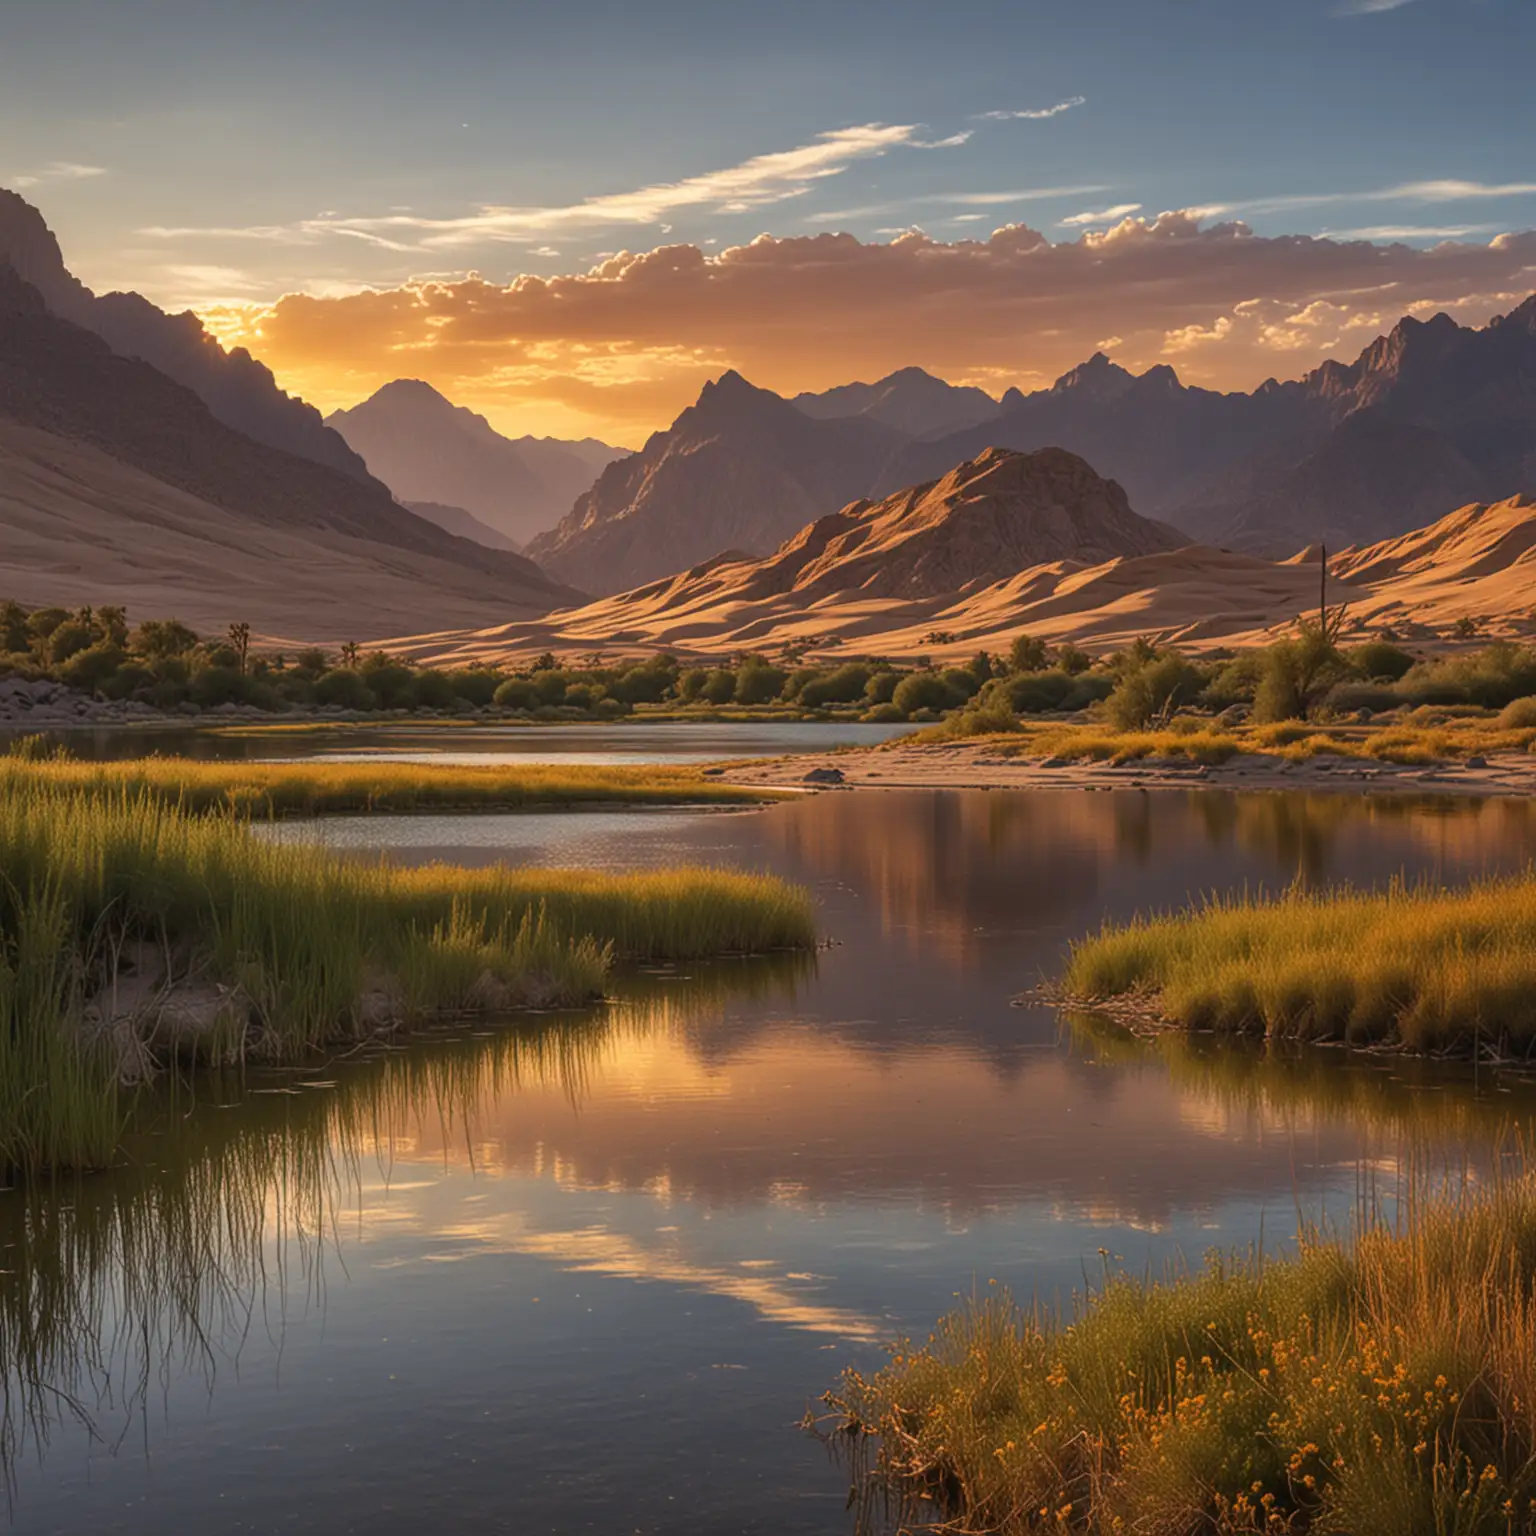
978	765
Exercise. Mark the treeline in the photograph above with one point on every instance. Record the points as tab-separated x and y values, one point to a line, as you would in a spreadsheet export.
165	664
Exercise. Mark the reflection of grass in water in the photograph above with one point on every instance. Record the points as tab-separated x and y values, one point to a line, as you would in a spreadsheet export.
115	1283
1405	1099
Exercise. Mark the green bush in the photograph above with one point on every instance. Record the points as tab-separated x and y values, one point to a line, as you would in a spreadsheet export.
1028	653
92	668
883	714
923	690
434	690
214	686
844	686
1518	714
1148	689
1379	661
719	686
757	682
344	688
549	683
1033	693
476	686
515	693
881	687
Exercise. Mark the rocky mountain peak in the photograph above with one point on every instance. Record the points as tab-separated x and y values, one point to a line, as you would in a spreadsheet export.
1098	378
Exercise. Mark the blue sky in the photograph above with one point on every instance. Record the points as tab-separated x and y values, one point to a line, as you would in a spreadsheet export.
217	154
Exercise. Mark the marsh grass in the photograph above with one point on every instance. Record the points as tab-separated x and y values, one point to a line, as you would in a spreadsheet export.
313	789
1382	1385
1419	967
293	947
1407	742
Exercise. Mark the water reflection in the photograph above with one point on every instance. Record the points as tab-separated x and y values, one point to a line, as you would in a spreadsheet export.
586	1271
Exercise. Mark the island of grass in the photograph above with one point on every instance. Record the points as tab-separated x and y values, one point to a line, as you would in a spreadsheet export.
1383	1386
134	934
1421	968
318	788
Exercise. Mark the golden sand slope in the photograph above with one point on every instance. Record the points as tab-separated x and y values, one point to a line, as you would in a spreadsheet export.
1478	563
77	526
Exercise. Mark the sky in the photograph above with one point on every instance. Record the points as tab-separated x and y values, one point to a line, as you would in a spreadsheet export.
569	217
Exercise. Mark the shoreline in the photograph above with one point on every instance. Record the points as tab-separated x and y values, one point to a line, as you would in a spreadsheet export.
978	765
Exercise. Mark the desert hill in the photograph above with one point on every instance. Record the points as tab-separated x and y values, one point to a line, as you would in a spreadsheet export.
910	400
877	579
240	391
426	449
116	478
740	469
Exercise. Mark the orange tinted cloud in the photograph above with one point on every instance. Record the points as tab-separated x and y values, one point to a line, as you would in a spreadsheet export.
618	350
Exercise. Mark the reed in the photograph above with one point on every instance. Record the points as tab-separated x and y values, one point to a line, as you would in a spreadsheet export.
1384	1384
314	789
131	931
1419	967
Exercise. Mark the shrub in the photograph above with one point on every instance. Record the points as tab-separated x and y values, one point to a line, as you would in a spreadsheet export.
1298	674
962	681
344	688
882	686
923	690
515	693
883	714
1518	714
1347	697
691	684
92	668
213	686
475	685
843	686
434	690
757	682
720	686
1071	659
1028	654
1148	689
1379	661
549	684
1032	693
581	696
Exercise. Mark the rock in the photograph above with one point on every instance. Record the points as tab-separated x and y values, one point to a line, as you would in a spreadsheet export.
824	776
714	773
1056	762
1477	760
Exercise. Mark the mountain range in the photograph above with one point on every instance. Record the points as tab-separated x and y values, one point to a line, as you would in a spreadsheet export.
1012	543
121	484
1428	418
237	389
429	450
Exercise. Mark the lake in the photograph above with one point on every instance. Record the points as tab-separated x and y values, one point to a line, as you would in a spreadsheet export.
587	1272
665	741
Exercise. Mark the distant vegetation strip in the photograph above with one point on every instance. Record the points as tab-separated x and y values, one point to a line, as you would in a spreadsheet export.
1420	967
133	934
316	788
1385	1385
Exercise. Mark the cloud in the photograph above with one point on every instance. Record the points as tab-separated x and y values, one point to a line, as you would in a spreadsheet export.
1107	216
957	199
57	170
1370	7
1449	191
1038	114
626	344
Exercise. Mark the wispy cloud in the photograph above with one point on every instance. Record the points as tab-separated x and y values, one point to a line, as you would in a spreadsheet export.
1411	232
1446	191
1370	7
1037	114
1026	195
754	183
1104	216
57	170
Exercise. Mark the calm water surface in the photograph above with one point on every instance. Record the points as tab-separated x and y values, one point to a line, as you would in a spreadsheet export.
663	742
586	1273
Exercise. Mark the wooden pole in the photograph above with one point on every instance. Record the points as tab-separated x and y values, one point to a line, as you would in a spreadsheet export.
1322	588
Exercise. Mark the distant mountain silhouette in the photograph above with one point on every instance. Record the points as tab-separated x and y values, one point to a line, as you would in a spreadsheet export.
1427	417
120	453
465	524
240	391
909	400
425	448
740	469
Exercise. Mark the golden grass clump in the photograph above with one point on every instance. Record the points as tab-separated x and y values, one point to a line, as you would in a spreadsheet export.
1420	967
1383	1386
131	931
314	788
